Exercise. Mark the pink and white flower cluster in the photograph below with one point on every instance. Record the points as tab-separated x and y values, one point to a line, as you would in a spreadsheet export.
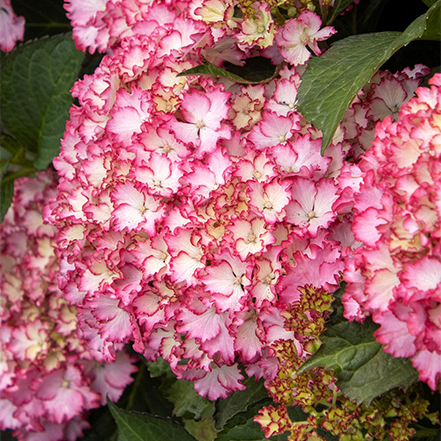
49	378
190	210
396	275
220	33
383	96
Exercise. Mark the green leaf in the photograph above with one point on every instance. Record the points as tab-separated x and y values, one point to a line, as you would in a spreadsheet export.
332	81
146	394
186	400
35	94
202	430
338	8
6	194
134	426
159	368
45	17
250	431
207	68
363	369
239	401
433	23
429	3
7	186
256	71
426	434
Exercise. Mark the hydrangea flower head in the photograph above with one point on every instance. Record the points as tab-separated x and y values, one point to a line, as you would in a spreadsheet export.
50	376
396	275
174	197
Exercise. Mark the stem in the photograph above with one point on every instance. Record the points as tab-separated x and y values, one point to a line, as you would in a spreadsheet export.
138	379
354	21
18	174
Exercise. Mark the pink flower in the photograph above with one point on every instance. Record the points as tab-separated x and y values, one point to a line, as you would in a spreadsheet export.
131	110
311	204
300	32
258	29
187	255
227	282
251	237
45	392
111	378
273	130
396	276
172	203
88	23
270	200
284	100
63	394
160	174
136	209
219	382
203	114
11	27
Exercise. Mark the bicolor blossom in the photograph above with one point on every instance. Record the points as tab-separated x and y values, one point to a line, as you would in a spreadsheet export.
196	219
50	375
396	275
297	34
173	201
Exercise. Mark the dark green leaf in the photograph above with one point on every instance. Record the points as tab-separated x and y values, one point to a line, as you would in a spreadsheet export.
4	163
6	194
250	73
256	70
159	368
146	394
296	413
433	23
239	401
6	435
45	17
102	426
327	435
186	400
338	8
363	369
429	3
202	430
9	145
250	431
134	426
208	68
35	94
7	186
369	14
426	434
332	81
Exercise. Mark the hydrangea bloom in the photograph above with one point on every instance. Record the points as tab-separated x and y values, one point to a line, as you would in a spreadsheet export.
383	96
178	229
298	33
197	220
49	377
396	275
11	27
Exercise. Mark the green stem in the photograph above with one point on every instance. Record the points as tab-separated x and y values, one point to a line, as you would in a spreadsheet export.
18	174
136	385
